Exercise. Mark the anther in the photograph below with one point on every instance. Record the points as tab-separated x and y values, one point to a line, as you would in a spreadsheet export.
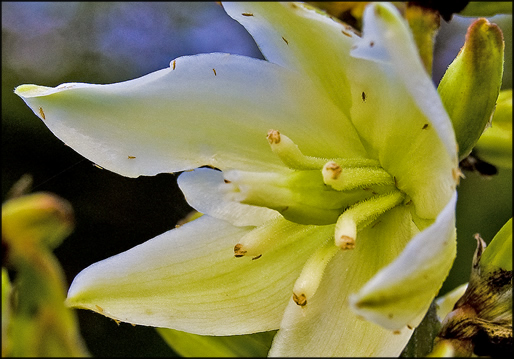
239	251
300	299
332	171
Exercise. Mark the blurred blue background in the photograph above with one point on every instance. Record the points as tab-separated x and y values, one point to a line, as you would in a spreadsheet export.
48	43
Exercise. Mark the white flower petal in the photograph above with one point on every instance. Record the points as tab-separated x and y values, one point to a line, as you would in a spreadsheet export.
327	326
401	293
301	38
188	279
211	109
399	114
202	190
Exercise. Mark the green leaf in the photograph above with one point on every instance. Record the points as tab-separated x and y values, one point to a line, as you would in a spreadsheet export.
193	345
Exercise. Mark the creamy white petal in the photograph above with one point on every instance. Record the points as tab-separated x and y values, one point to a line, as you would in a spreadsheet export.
301	38
201	188
327	326
399	114
210	109
188	279
401	293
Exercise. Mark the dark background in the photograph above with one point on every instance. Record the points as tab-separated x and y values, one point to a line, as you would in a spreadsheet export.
101	42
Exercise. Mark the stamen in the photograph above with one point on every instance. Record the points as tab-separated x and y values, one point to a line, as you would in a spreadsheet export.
308	282
362	214
266	237
348	178
292	157
290	154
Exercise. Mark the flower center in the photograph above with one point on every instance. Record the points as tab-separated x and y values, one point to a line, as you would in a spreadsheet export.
350	192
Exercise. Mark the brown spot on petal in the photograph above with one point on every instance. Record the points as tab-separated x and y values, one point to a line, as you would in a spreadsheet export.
287	42
42	113
247	14
256	257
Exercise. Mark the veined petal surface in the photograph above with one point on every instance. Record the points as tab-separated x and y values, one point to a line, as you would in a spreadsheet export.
209	109
188	279
401	293
399	114
201	188
327	325
301	38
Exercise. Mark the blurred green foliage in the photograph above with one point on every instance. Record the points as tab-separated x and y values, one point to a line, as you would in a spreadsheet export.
37	323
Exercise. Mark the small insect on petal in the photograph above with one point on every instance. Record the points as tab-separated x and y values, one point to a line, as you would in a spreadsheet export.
213	70
425	126
42	113
131	157
173	65
363	96
287	42
247	14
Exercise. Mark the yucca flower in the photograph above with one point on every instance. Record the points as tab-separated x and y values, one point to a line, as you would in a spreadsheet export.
328	185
